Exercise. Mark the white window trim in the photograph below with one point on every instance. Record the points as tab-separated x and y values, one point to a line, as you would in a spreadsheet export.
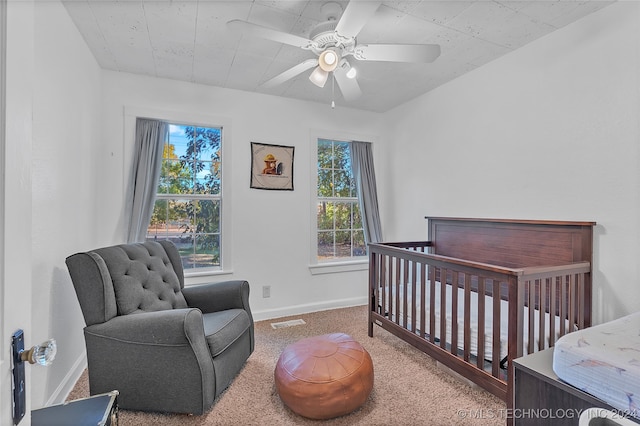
331	267
200	120
339	264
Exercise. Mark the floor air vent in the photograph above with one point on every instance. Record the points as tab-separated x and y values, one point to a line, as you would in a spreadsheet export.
289	323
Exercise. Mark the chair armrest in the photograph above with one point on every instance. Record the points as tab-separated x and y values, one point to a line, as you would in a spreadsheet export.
155	359
214	297
167	327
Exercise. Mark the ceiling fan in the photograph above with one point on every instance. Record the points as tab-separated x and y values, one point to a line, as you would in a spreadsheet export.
333	42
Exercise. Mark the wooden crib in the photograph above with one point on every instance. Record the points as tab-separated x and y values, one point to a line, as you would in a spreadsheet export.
535	277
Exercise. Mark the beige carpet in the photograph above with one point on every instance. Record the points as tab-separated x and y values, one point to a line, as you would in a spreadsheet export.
409	388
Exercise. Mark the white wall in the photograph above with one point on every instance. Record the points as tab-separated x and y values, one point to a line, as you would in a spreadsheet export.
550	131
270	230
66	132
15	283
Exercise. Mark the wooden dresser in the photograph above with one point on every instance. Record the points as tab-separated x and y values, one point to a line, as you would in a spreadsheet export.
541	398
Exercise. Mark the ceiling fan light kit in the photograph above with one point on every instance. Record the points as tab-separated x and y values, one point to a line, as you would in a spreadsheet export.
349	71
319	77
328	60
335	39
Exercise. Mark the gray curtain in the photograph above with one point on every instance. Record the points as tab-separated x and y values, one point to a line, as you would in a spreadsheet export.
150	138
365	176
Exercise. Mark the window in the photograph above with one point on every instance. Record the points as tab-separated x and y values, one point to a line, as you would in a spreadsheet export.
339	224
187	209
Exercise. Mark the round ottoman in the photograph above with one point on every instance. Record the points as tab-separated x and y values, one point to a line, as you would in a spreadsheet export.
324	376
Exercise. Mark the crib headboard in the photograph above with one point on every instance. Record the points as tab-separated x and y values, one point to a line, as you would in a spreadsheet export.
510	242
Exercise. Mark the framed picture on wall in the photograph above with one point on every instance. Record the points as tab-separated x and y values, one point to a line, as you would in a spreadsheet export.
271	166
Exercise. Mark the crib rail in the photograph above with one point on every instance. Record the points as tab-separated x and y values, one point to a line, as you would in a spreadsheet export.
482	303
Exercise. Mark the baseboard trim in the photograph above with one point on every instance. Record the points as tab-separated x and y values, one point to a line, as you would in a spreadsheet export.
61	393
66	385
268	314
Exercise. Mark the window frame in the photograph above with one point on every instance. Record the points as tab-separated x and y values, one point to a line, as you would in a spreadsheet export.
198	275
338	264
198	197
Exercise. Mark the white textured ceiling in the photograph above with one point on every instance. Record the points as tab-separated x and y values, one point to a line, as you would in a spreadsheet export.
188	40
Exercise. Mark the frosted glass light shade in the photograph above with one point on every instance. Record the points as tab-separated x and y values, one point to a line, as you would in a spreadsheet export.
319	77
328	60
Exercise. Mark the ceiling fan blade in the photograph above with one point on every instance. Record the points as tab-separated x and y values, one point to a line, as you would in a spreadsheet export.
348	86
247	28
355	16
397	52
290	73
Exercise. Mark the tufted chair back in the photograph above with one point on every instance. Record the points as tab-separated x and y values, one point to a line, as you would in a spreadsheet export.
128	279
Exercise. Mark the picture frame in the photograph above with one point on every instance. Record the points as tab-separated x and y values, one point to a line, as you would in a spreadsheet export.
272	166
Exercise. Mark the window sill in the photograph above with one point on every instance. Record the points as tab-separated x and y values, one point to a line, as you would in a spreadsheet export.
337	267
201	277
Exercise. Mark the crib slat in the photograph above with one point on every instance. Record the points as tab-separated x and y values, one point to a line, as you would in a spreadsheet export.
454	312
531	303
543	314
572	297
432	304
386	285
535	289
396	281
467	317
414	287
405	284
553	311
382	301
374	278
580	300
443	308
542	303
390	285
563	305
496	340
423	283
481	325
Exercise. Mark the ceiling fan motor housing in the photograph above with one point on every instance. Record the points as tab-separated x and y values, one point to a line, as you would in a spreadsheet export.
324	36
323	32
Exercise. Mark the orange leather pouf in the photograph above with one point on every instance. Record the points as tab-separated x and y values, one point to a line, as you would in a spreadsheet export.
324	376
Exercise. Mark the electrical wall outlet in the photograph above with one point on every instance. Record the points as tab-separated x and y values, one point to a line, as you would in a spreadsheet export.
266	291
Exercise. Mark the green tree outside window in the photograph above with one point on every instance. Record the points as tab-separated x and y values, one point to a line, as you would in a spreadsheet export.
187	210
339	223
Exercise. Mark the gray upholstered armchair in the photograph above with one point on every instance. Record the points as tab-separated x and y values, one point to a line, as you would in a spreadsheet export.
163	346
